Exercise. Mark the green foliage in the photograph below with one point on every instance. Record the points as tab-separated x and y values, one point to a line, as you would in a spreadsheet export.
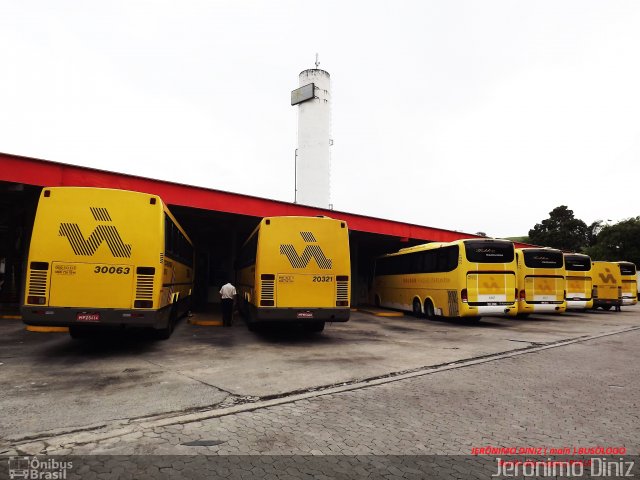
524	239
561	230
617	242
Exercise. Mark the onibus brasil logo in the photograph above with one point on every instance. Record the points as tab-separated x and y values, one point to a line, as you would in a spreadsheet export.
102	233
32	468
310	251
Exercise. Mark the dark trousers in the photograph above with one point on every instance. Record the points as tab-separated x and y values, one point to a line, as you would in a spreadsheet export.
227	311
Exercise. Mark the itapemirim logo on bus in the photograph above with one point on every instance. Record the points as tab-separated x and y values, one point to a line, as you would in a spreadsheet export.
607	278
102	233
309	252
32	468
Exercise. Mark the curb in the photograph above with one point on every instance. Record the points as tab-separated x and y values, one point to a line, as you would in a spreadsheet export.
33	328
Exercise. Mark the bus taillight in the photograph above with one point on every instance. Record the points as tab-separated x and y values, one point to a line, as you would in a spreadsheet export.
594	292
33	300
619	293
464	296
39	266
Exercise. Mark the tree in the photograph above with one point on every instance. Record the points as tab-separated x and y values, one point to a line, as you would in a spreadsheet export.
618	242
561	230
592	232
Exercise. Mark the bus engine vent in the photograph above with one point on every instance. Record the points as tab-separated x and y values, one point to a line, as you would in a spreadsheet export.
342	293
267	292
452	297
38	283
144	287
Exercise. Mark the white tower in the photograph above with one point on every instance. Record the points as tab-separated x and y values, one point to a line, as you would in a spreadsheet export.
313	156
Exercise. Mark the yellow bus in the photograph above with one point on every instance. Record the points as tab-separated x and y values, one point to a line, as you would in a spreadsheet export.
607	285
102	257
579	281
295	269
629	283
541	281
464	278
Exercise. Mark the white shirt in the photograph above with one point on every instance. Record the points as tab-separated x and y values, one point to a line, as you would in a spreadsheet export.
228	291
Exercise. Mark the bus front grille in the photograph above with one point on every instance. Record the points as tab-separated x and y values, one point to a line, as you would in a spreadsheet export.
342	293
144	287
38	282
452	297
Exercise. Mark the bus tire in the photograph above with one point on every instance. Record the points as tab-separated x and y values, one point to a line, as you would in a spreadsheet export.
165	333
429	311
376	301
417	308
79	331
315	327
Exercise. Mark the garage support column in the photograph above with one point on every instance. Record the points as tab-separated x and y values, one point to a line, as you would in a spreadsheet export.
355	279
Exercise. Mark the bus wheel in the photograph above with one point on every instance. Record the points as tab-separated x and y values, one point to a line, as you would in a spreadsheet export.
429	311
165	333
315	327
376	301
417	308
79	331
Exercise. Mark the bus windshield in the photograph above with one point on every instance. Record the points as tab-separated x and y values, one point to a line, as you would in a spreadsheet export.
543	258
489	251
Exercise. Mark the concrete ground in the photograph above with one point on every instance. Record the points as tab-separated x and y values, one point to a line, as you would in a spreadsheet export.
51	384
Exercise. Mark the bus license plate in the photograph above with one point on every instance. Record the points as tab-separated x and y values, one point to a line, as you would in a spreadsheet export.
305	314
88	317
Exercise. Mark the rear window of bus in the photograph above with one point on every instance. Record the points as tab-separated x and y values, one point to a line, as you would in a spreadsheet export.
489	252
543	259
627	268
577	263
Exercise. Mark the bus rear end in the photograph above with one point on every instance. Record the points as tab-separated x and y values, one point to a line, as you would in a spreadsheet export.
490	271
94	259
579	281
303	270
607	285
629	283
541	281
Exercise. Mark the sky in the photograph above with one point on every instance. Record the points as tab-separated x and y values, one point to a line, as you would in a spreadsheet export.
464	115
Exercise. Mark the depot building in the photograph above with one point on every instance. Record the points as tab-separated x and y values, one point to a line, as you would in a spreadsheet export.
218	223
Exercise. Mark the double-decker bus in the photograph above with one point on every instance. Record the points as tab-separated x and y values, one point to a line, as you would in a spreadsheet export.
295	269
541	281
464	278
102	257
607	285
629	283
579	281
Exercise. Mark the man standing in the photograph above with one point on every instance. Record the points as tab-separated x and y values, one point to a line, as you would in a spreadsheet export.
228	294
